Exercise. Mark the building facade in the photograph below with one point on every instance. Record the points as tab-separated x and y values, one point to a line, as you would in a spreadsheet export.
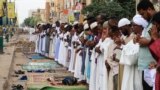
40	13
63	10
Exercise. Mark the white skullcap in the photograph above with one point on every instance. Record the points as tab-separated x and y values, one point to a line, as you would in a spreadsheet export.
93	25
85	22
123	22
86	26
105	24
75	23
65	26
60	21
53	25
42	23
139	20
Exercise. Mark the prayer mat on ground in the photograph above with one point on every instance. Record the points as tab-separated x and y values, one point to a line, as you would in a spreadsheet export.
61	88
37	57
65	88
40	66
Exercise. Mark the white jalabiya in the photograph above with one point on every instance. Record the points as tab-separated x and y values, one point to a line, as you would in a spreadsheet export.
36	43
131	77
72	55
92	84
78	65
127	82
86	64
71	65
44	44
54	46
112	64
78	62
40	43
101	72
61	49
65	50
51	46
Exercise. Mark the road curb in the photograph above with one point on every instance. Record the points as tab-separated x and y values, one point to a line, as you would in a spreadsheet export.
6	84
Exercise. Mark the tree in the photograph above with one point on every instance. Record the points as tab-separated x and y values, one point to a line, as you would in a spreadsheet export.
111	8
27	21
31	21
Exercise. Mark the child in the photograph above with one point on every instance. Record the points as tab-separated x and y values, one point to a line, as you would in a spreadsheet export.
149	75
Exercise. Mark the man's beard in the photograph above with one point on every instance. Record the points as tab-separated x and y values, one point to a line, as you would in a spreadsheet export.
149	19
125	33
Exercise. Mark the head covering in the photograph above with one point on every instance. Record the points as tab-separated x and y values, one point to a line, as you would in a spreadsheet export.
85	22
93	25
123	22
65	26
86	26
75	23
53	25
139	20
60	21
105	24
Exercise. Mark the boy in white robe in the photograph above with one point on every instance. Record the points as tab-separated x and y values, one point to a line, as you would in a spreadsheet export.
150	75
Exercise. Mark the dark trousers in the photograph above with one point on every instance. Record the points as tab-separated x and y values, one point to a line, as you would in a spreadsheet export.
115	81
145	85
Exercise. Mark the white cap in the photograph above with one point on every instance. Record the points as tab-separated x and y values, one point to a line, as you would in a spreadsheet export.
86	26
60	21
65	26
85	22
75	23
53	25
93	25
105	24
123	22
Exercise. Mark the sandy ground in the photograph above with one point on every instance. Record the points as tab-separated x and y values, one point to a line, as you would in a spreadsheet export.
6	61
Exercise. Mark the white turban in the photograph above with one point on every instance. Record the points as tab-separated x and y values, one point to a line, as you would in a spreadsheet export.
53	25
123	22
86	26
93	25
75	23
65	26
139	20
85	22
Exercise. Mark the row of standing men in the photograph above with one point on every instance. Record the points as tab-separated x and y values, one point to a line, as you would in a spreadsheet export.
109	55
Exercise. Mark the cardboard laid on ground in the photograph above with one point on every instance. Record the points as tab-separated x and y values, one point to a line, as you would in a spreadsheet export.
38	78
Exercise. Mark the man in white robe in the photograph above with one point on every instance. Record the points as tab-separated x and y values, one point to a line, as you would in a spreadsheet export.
101	71
129	81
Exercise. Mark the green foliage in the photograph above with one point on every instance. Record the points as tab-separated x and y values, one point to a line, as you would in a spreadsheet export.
125	9
130	8
31	21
